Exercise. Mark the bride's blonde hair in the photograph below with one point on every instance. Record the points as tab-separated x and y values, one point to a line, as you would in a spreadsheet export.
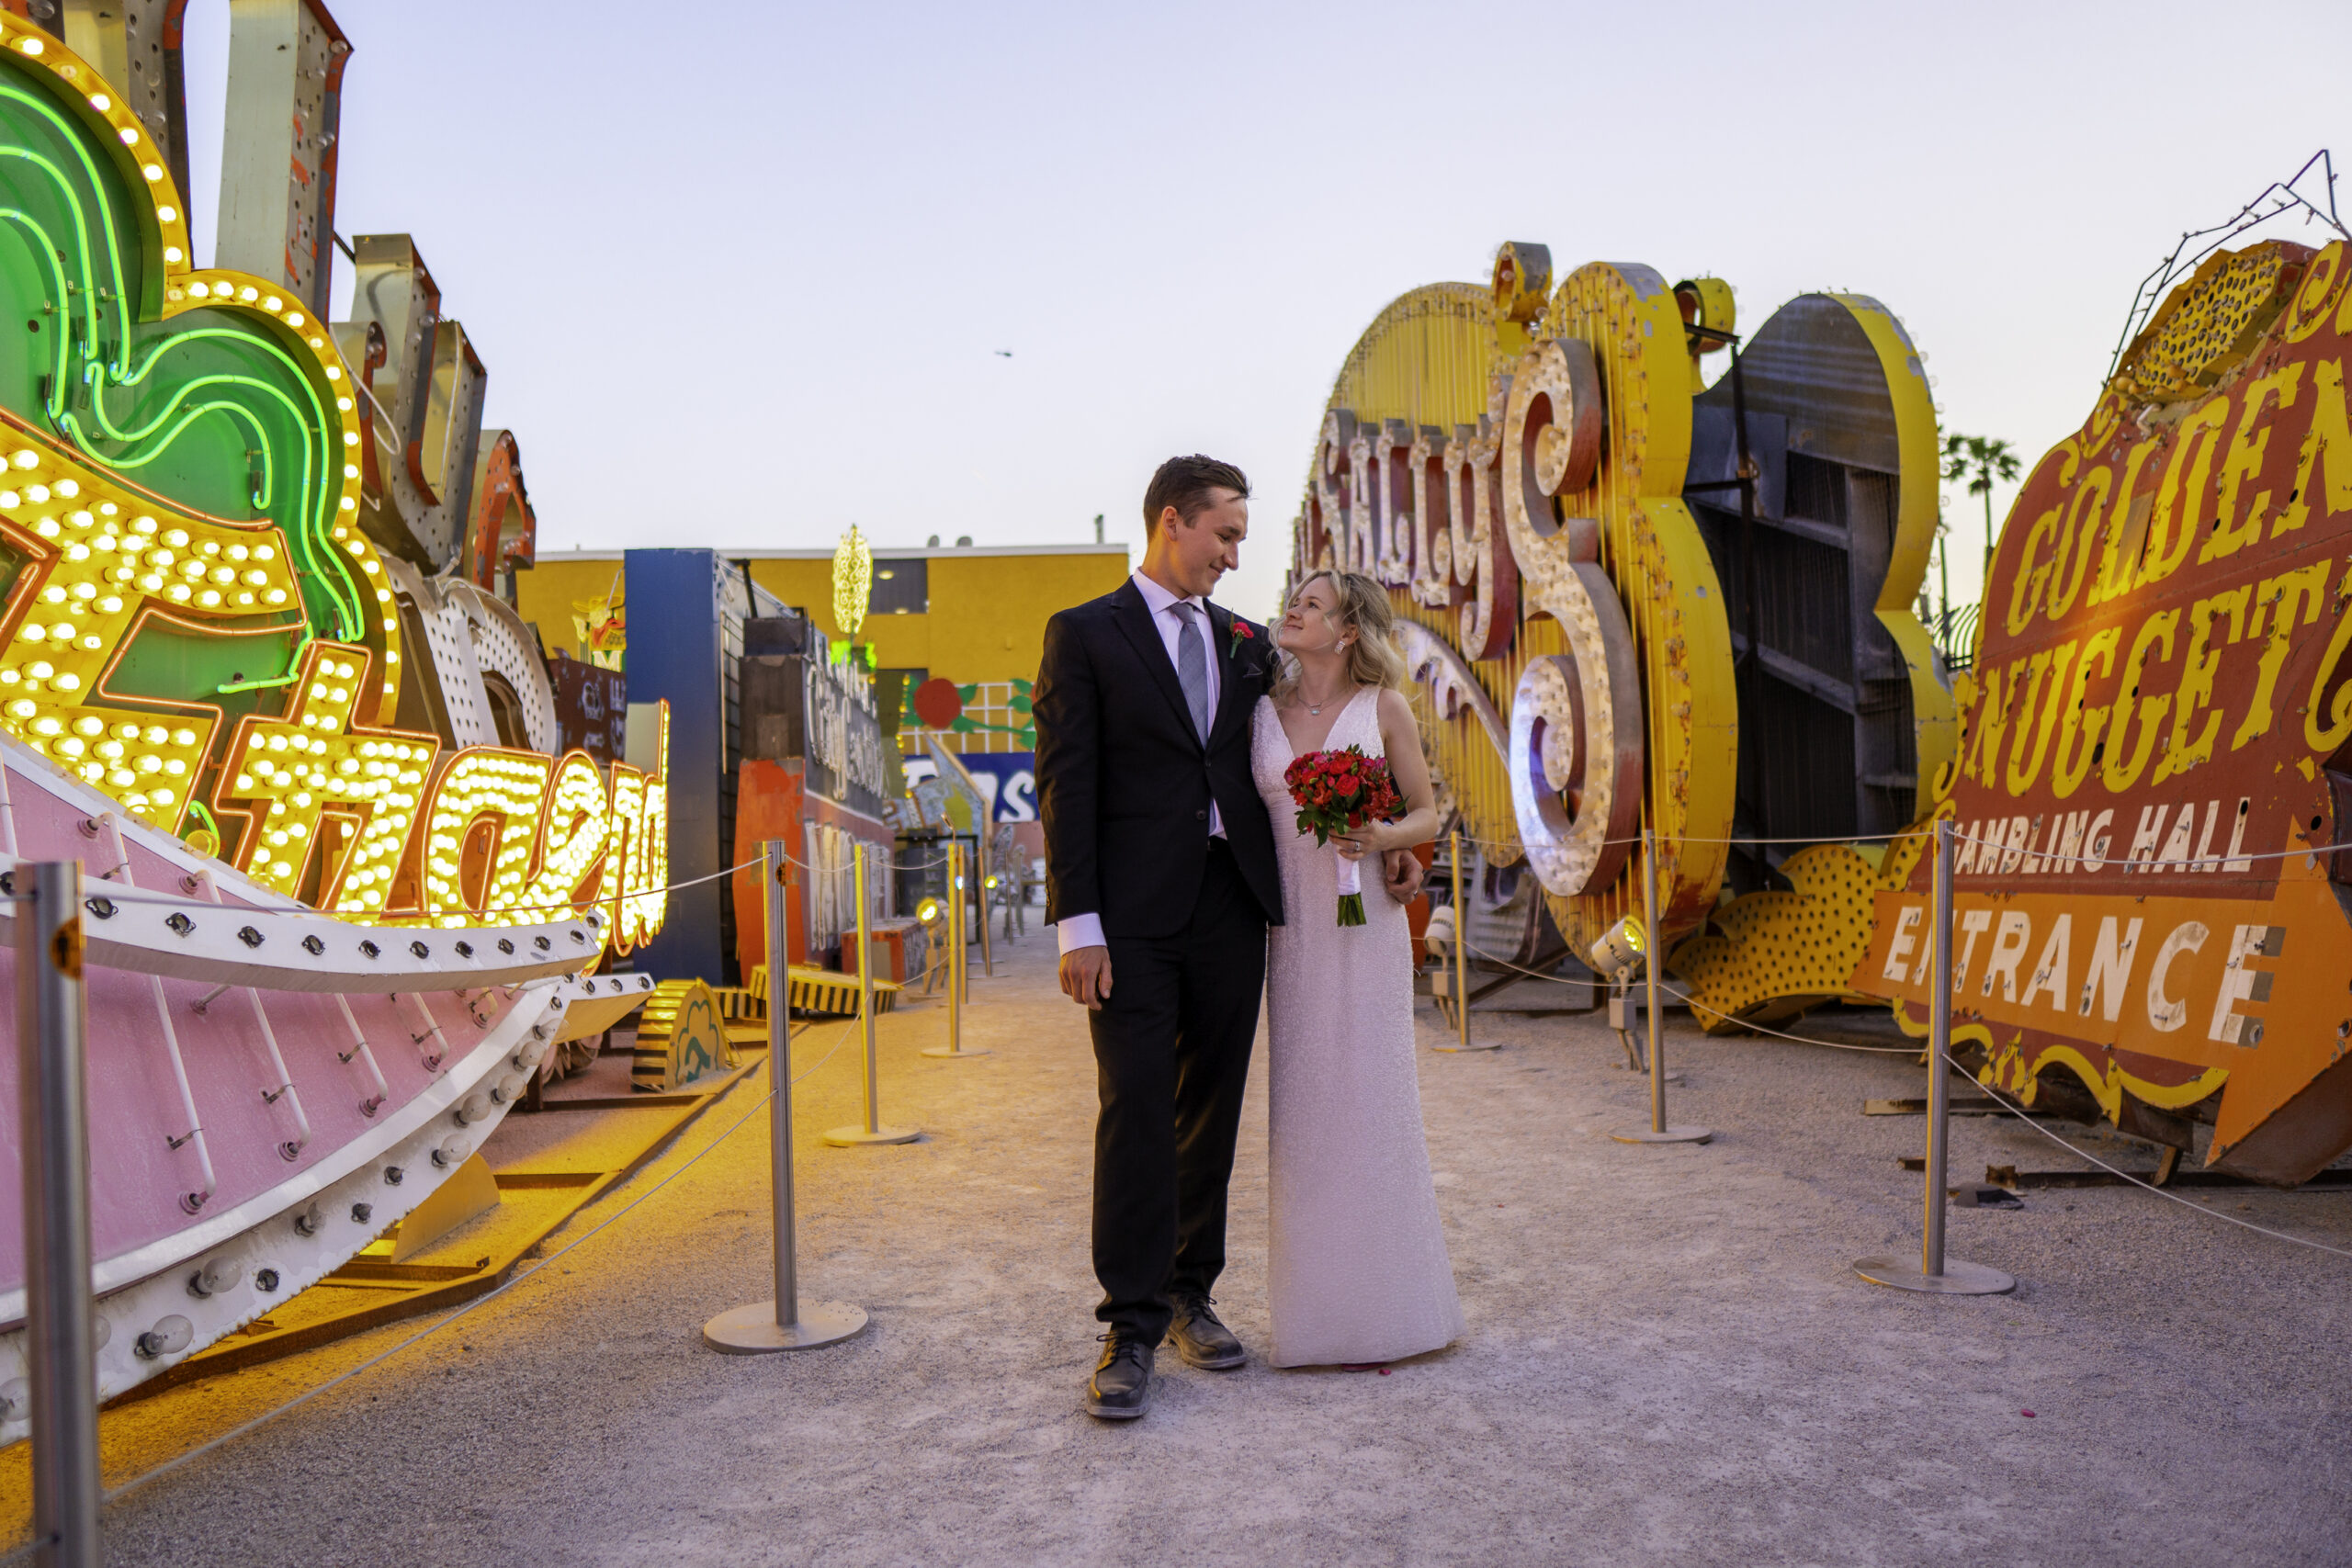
1374	659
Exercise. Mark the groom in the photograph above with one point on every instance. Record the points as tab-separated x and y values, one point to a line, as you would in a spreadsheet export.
1160	881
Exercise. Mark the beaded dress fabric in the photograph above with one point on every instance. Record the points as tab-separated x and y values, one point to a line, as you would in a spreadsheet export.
1356	1268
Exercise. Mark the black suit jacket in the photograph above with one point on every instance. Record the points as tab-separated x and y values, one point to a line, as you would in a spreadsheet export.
1124	781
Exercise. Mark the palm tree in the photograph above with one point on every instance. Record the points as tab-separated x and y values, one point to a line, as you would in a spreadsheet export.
1983	461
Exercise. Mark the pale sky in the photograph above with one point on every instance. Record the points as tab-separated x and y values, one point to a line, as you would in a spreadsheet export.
740	272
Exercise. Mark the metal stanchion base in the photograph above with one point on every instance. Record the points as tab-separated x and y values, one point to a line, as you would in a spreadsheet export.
952	1053
842	1138
1671	1136
1473	1045
753	1330
1957	1280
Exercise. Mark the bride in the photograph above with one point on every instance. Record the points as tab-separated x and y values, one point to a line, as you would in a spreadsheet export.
1357	1270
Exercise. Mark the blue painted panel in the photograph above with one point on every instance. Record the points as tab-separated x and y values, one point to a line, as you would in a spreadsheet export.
675	654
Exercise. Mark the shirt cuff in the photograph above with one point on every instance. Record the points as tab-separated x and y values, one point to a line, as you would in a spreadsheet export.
1075	932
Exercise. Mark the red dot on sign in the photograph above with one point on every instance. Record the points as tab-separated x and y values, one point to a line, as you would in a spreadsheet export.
937	702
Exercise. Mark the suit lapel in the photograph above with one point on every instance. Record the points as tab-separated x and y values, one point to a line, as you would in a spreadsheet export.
1230	698
1134	618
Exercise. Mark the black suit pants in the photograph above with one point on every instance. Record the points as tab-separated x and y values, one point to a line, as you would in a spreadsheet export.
1172	1051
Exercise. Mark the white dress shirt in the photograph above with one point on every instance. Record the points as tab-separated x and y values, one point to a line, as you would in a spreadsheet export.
1086	931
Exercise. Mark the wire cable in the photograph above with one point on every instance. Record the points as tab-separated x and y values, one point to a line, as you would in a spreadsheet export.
2084	1153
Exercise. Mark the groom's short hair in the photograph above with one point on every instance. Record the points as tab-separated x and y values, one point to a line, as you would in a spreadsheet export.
1184	483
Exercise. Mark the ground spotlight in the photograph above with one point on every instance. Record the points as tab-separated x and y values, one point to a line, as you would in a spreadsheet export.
1622	950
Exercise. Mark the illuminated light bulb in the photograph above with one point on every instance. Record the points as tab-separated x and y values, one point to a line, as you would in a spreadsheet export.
281	868
171	254
244	784
236	552
93	642
101	103
150	582
77	552
210	548
351	470
193	569
302	799
47	528
129	136
224	575
153	173
26	459
68	489
33	631
183	737
318	342
278	839
368	567
177	592
121	574
150	764
10	499
36	493
343	404
160	796
30	46
53	594
257	577
72	747
176	538
110	605
276	743
199	292
275	596
10	677
122	778
44	727
249	294
20	708
68	681
334	372
89	725
349	504
142	525
38	669
273	304
175	767
104	543
350	439
209	598
293	318
244	598
79	519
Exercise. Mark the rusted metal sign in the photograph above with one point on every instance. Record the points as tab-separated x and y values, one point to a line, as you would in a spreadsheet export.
2155	766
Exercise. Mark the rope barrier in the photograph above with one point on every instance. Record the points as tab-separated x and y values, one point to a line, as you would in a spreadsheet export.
266	1416
1685	998
2086	1154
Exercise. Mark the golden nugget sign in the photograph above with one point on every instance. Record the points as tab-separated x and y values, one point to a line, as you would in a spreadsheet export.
224	525
2162	705
1614	570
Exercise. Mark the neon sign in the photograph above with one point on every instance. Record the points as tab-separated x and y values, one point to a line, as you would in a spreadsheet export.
199	482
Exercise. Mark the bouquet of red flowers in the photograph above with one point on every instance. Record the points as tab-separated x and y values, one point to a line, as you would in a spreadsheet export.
1337	793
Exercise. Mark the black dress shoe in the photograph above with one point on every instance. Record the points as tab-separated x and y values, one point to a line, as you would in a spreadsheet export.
1199	1338
1120	1389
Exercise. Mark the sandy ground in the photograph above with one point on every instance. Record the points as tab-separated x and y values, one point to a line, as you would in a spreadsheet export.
1668	1357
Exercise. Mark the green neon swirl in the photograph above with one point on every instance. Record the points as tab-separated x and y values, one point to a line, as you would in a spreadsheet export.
315	498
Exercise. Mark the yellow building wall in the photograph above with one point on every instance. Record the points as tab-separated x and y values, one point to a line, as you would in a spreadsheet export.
987	620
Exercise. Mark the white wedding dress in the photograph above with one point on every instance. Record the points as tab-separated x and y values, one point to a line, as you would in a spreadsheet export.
1356	1268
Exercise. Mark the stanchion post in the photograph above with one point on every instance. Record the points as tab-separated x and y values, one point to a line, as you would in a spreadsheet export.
1658	1132
873	1132
980	896
1461	948
1938	1275
955	1046
783	1324
54	1100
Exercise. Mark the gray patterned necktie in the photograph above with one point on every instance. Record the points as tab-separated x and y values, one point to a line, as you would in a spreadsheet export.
1192	666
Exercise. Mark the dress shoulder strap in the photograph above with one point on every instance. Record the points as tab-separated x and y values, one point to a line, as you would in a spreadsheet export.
1361	723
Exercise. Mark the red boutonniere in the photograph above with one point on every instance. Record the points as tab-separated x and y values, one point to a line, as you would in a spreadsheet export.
1242	633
